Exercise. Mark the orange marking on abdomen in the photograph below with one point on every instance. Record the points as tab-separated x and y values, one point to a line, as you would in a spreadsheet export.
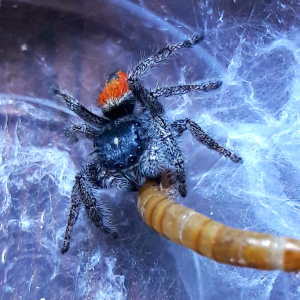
114	89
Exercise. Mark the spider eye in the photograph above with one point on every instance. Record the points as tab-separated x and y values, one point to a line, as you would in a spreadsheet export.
106	165
118	166
140	149
132	159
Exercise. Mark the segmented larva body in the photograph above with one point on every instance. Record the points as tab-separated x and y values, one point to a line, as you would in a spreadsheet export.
212	239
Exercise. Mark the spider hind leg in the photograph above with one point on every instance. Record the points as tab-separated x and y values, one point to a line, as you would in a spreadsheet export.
73	216
98	211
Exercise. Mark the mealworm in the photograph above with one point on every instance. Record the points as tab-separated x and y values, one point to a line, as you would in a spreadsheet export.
214	240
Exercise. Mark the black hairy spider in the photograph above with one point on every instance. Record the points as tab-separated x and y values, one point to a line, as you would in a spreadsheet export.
132	142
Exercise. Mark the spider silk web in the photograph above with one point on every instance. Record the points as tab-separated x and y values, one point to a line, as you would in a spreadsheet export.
252	47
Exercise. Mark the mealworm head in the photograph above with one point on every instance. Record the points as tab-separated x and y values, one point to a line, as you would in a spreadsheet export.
214	240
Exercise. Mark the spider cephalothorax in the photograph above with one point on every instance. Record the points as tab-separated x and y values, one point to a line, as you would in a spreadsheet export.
133	141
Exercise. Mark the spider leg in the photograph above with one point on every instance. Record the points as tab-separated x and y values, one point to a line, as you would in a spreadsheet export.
130	179
160	56
184	89
149	100
86	191
73	215
74	130
152	162
80	110
165	155
145	99
141	93
98	211
101	178
197	132
174	153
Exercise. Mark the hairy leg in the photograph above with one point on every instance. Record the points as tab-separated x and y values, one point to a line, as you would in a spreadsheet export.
97	209
175	155
80	110
186	124
153	161
184	89
84	129
73	215
160	56
86	191
145	99
171	158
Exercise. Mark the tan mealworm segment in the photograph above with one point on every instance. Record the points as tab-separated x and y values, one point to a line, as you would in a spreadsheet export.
214	240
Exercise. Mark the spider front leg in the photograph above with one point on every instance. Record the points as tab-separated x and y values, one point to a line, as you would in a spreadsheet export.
164	159
153	162
172	152
146	99
140	93
197	132
163	154
160	56
184	89
80	110
84	129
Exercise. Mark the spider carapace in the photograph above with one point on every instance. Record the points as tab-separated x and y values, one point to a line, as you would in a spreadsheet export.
133	140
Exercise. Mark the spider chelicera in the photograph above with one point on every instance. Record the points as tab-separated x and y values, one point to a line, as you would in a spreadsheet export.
133	140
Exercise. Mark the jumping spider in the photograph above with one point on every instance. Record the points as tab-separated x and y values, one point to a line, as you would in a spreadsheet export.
133	140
